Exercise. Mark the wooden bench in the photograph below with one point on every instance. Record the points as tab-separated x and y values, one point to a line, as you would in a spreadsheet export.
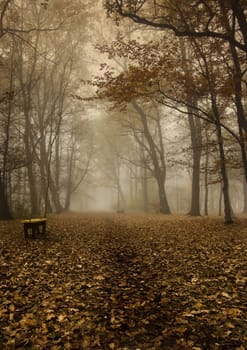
36	226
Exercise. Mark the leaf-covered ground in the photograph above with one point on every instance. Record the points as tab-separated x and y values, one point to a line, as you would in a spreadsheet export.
127	282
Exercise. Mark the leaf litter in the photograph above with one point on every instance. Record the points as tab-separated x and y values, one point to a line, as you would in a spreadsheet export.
129	282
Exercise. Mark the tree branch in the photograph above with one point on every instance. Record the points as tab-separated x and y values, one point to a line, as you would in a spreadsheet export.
157	23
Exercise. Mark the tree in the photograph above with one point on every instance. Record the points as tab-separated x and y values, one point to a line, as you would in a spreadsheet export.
156	152
209	91
154	148
197	19
218	21
10	18
223	22
43	77
112	159
195	131
151	78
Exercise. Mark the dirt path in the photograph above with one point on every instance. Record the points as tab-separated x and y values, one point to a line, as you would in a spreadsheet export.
124	282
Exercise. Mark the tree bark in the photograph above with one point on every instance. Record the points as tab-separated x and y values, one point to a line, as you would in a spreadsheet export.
144	179
159	171
4	206
225	184
195	135
206	176
245	196
164	206
196	142
145	189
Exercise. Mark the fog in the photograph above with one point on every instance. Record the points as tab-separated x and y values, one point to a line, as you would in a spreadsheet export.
103	117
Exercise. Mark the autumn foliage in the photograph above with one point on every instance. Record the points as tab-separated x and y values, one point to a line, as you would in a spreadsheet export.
124	282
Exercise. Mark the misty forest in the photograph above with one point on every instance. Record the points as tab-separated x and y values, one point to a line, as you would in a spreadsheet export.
123	174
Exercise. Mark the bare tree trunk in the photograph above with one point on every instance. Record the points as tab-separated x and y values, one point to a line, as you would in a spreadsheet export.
68	188
4	206
5	194
156	155
245	196
31	176
220	200
195	135
238	75
164	206
206	182
145	189
220	140
196	142
241	115
144	179
225	184
26	80
121	202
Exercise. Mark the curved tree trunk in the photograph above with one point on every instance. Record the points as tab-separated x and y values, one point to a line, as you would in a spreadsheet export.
164	206
157	157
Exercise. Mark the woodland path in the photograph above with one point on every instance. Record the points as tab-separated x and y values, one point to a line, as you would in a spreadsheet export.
107	281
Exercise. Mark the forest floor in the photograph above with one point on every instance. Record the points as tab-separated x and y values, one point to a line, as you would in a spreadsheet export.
129	282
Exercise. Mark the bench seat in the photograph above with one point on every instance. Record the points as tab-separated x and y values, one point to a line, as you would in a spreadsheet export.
34	226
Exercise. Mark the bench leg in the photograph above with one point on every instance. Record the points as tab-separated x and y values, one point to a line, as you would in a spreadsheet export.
43	228
35	228
25	231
